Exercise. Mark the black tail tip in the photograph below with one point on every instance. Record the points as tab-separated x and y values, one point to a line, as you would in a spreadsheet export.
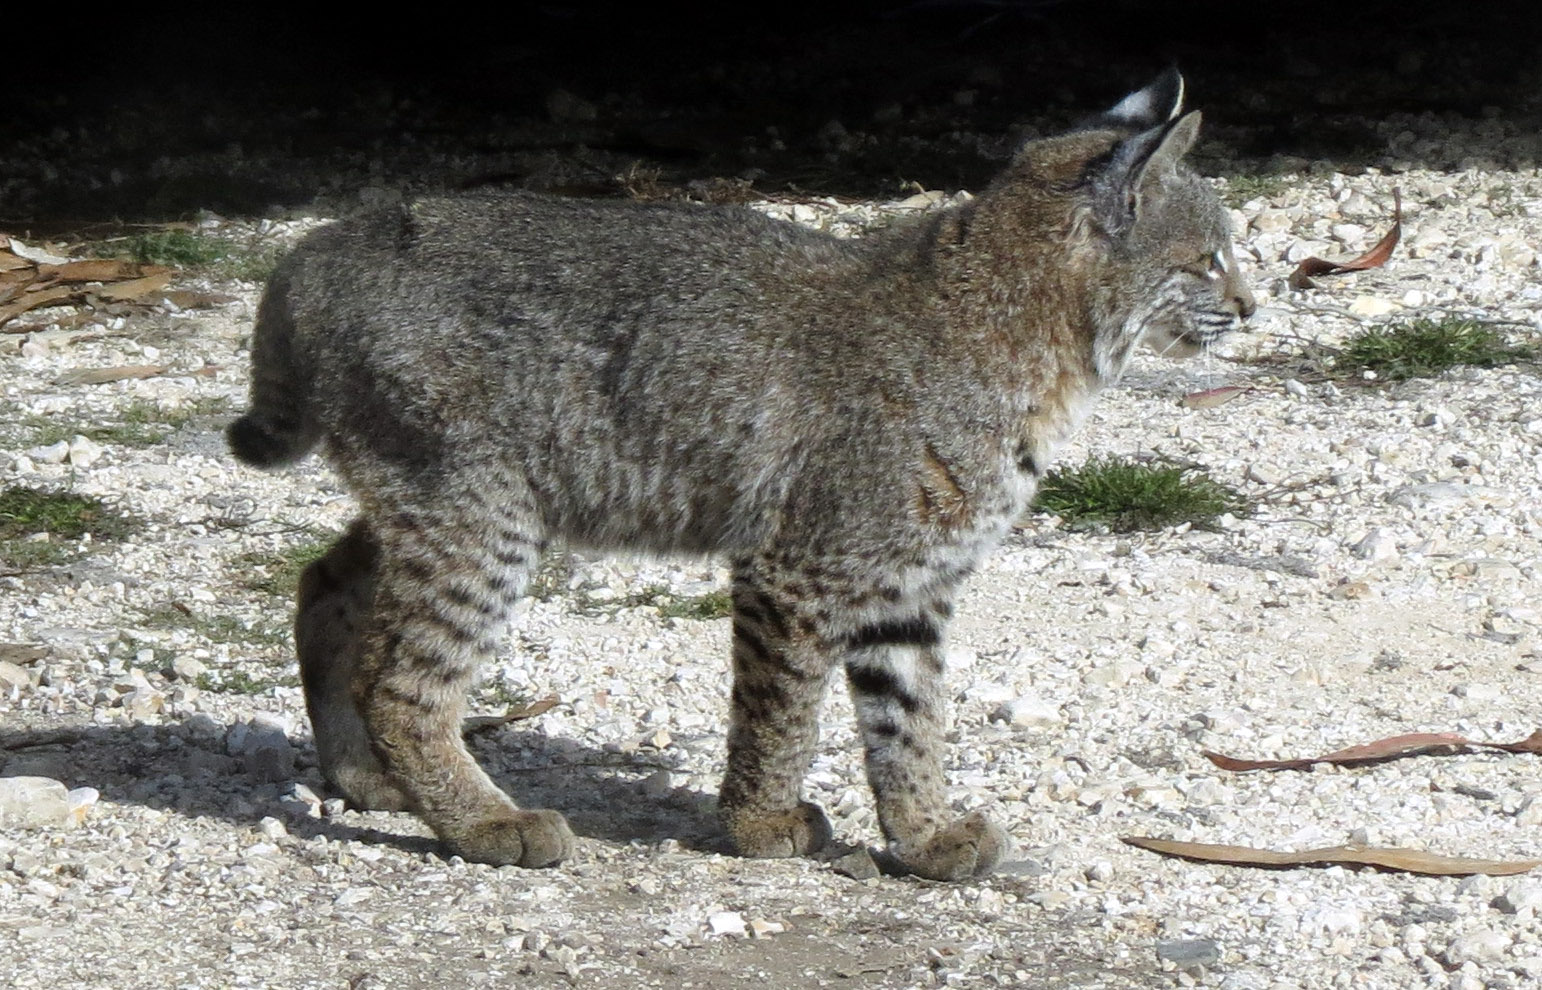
256	443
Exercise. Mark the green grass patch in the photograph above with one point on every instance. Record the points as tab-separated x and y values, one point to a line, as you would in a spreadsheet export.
1425	348
279	573
712	605
698	608
35	522
192	251
1124	496
216	628
177	248
141	423
240	682
1242	188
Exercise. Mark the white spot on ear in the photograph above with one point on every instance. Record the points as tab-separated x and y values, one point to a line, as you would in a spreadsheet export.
1136	106
1178	101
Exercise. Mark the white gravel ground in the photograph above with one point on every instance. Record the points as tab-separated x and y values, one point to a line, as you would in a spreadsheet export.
1389	582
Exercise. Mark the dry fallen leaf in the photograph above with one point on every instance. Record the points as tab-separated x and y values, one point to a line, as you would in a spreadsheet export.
1402	860
1212	397
1377	256
32	300
1393	747
99	376
144	289
483	723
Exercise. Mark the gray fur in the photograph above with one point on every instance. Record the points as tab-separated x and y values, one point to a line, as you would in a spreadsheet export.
853	424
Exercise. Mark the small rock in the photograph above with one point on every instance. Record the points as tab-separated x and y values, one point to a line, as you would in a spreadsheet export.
858	865
81	800
34	802
84	451
1369	306
1272	221
1377	545
13	676
1482	946
1262	474
761	928
1530	811
1029	713
659	784
726	923
54	453
353	896
187	668
301	802
263	747
272	828
1478	692
1525	896
1189	953
142	702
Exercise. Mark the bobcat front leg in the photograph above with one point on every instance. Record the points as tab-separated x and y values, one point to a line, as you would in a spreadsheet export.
894	670
335	596
779	681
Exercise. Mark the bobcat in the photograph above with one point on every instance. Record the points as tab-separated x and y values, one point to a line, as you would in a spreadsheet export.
854	424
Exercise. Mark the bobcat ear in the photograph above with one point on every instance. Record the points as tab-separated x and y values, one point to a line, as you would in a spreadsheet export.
1134	165
1158	103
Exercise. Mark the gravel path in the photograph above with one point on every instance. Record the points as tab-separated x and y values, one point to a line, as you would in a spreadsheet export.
1388	583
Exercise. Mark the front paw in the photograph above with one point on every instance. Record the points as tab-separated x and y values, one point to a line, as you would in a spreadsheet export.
970	847
516	838
800	831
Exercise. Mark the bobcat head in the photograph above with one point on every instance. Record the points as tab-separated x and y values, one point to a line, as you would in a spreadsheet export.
1165	238
1145	238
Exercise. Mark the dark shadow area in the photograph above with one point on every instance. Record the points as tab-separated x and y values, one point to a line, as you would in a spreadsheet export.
252	113
175	769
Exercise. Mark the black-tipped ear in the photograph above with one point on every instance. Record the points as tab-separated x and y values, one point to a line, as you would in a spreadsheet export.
1158	103
1135	164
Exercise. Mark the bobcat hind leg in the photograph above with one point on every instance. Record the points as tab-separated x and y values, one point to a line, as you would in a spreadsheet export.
335	597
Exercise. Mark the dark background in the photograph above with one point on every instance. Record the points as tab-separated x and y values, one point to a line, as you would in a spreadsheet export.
157	115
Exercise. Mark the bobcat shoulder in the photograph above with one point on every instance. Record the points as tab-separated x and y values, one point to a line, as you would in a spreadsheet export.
852	424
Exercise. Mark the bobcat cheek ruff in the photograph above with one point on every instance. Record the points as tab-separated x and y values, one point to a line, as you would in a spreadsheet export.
853	424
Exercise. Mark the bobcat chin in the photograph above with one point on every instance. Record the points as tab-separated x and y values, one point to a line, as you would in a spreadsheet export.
852	424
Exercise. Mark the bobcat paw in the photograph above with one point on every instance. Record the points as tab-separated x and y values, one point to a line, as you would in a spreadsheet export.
969	847
798	832
518	838
368	789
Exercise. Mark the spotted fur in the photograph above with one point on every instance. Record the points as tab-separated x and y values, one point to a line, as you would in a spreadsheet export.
852	424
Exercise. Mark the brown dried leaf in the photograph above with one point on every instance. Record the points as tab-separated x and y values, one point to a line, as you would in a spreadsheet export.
9	259
146	289
100	376
1401	860
484	723
33	300
1391	748
98	270
1377	256
66	322
192	299
1212	397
